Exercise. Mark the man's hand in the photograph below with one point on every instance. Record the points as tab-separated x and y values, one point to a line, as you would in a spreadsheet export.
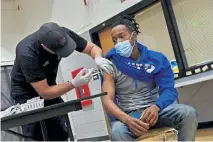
104	64
83	77
150	115
136	126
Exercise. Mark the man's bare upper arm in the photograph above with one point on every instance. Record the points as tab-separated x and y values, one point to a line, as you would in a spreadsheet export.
108	86
88	48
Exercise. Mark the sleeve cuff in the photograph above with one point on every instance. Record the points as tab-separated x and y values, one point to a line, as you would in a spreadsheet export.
160	105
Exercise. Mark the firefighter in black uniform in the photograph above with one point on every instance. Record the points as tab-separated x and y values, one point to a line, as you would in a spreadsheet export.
35	69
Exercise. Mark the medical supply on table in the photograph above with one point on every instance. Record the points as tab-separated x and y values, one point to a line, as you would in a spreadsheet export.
31	104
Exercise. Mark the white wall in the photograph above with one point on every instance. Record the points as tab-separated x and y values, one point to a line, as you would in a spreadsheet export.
79	18
17	24
35	13
7	57
11	25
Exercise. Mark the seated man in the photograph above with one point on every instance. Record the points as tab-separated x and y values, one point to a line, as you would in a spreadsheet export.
140	76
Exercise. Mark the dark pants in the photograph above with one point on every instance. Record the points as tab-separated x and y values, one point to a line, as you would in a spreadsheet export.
56	127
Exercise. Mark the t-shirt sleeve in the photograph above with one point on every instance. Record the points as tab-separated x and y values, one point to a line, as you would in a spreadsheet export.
80	42
116	72
31	69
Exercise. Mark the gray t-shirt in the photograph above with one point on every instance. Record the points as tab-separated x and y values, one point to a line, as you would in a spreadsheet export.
133	94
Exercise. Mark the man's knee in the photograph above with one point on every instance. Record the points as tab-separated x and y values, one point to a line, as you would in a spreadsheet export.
187	124
120	132
188	112
188	115
181	114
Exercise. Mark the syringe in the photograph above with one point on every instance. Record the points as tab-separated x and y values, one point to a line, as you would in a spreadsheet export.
96	73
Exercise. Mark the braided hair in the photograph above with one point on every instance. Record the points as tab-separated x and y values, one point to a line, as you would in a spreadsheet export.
129	22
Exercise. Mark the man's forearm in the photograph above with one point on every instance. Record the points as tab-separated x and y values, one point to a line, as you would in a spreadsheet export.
110	107
109	87
56	91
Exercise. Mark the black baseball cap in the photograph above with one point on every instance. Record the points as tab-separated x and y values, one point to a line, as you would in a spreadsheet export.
56	39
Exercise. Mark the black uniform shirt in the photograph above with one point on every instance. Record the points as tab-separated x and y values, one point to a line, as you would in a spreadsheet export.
33	64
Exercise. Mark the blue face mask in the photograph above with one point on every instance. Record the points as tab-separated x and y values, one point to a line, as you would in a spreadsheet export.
124	48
